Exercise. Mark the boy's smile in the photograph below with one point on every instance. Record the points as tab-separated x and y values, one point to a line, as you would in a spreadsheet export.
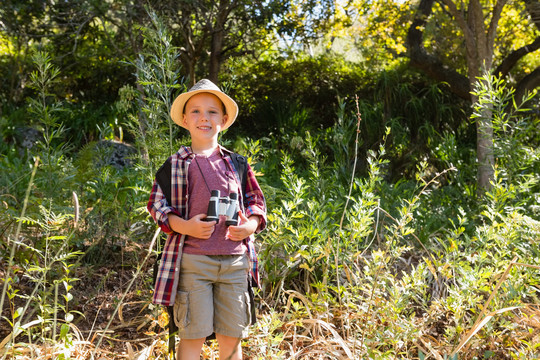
204	117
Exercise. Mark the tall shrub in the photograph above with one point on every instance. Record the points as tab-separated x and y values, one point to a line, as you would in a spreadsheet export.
158	80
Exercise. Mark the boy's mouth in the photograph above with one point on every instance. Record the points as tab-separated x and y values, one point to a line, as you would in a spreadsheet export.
205	127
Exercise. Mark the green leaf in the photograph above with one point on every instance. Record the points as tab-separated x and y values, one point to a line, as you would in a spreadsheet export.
64	329
18	312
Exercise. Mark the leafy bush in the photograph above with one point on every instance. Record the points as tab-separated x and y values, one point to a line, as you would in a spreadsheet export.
274	91
407	262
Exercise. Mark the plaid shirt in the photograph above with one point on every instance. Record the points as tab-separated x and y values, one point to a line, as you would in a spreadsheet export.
169	268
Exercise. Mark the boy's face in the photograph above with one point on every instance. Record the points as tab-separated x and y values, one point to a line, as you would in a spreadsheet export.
203	117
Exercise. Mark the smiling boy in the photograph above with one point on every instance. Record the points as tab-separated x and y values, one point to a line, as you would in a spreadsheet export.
205	266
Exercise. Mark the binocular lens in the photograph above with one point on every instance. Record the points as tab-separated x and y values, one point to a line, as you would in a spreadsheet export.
227	206
232	210
212	213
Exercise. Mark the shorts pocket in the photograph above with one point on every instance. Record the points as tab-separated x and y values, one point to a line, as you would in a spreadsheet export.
181	309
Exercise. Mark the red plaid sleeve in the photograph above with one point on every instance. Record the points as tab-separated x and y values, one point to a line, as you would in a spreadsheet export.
159	209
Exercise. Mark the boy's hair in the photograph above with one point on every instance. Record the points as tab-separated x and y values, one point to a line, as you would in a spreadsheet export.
223	108
204	85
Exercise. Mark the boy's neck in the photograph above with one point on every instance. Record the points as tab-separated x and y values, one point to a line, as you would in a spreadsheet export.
206	149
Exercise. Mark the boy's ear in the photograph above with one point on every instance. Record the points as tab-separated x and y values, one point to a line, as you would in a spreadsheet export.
224	119
184	119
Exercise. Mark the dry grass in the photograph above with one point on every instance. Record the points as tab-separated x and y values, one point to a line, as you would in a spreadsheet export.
298	329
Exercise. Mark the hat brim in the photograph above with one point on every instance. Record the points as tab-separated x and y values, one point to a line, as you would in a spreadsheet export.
177	108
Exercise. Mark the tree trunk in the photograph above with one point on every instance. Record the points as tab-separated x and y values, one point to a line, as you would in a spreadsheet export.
218	35
484	149
479	60
188	58
479	44
431	65
215	55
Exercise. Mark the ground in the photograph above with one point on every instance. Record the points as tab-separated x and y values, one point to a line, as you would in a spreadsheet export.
96	298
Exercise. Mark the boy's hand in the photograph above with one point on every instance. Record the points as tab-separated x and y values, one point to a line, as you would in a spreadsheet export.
195	226
245	227
199	228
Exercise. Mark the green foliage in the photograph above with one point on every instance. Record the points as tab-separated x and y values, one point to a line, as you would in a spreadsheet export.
45	262
49	265
50	227
315	83
377	30
157	73
516	140
115	203
45	107
411	257
415	110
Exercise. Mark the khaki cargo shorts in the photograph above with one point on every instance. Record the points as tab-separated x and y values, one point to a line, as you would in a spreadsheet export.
212	296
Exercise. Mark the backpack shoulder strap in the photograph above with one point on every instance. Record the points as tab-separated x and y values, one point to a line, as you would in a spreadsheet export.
240	163
163	178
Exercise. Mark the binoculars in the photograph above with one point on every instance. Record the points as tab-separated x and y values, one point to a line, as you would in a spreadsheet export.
227	206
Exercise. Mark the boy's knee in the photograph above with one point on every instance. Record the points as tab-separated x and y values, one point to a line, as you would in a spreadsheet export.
191	344
229	347
228	339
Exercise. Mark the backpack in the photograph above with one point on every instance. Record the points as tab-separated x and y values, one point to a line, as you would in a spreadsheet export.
163	178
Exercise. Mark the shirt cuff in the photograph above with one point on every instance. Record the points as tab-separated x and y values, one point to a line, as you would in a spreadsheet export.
163	222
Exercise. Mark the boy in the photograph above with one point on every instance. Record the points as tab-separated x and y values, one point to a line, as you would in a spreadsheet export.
205	265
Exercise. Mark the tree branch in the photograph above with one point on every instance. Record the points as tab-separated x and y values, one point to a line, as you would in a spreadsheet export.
428	63
510	61
492	30
468	26
533	8
527	84
460	18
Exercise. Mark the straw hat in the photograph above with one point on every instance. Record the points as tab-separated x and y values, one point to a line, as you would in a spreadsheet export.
204	85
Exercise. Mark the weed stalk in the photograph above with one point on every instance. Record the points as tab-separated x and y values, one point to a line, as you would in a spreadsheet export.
7	278
137	273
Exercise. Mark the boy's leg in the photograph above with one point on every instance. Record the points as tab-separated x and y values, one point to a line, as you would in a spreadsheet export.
190	349
230	348
194	310
231	309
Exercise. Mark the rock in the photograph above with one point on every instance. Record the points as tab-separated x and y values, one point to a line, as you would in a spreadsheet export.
26	138
114	153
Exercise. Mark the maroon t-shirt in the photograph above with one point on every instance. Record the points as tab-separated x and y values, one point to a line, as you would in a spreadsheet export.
218	176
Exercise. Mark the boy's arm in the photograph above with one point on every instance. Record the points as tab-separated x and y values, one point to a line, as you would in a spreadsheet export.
196	226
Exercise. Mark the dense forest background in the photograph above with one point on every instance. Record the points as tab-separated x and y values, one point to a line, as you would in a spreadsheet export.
396	143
